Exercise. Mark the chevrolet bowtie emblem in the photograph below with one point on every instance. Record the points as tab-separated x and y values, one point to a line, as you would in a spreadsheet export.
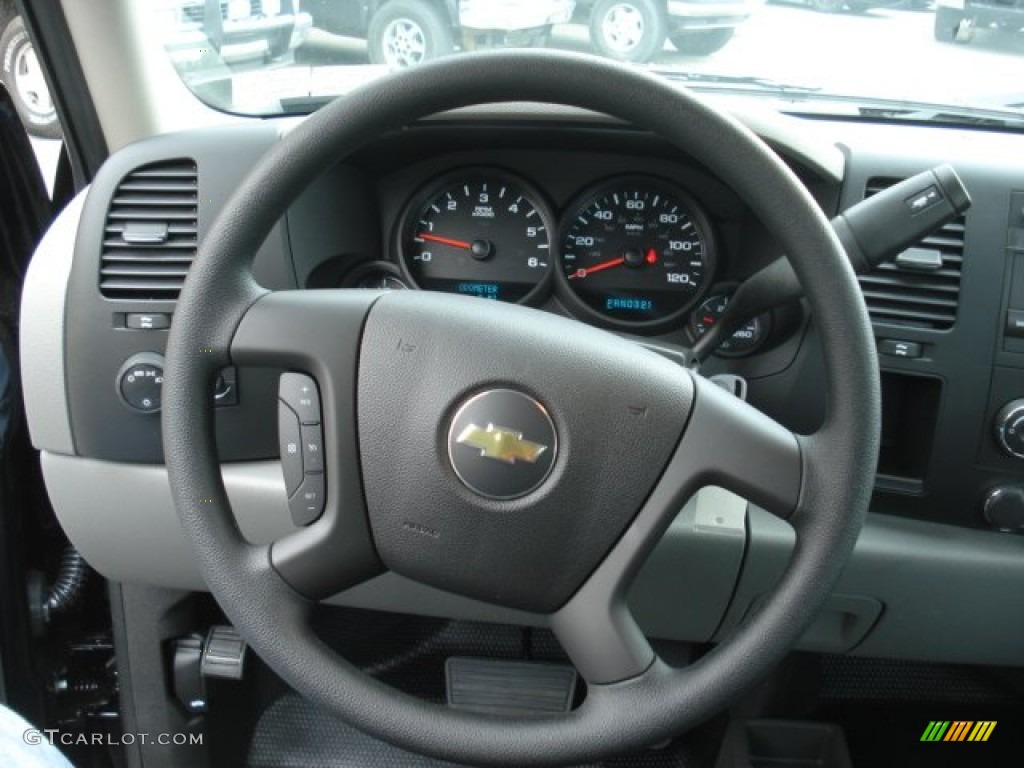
500	443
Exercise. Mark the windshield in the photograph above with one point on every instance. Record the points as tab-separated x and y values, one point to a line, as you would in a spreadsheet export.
949	60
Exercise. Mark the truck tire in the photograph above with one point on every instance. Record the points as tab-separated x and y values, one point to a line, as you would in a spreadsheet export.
701	42
404	33
22	75
628	30
947	24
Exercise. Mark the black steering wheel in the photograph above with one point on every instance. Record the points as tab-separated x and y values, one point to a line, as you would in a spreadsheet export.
619	437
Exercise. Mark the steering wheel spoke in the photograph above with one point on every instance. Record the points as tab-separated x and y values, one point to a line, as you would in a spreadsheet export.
318	333
731	444
727	443
598	631
313	331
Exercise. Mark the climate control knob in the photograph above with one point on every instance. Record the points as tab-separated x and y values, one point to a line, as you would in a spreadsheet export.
1010	428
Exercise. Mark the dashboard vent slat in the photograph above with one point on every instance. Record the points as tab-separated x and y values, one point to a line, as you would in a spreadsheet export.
162	199
137	214
914	298
157	271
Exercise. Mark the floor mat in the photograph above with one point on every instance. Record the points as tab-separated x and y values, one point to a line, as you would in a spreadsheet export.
887	707
292	733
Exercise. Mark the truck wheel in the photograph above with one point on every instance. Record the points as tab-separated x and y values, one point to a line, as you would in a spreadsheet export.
701	42
22	75
404	33
628	30
947	24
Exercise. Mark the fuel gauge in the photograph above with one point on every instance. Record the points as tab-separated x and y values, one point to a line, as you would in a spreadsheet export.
744	341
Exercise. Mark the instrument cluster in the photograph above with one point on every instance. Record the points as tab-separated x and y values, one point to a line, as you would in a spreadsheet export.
634	253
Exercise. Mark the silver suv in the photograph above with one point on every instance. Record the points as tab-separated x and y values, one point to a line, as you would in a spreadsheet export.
636	30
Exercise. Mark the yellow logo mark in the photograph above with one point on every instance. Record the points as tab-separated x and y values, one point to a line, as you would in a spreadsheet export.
500	443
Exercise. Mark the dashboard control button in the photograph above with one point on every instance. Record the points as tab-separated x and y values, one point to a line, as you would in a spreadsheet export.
290	436
312	449
308	502
1004	508
1015	323
299	392
140	381
1010	428
145	322
896	348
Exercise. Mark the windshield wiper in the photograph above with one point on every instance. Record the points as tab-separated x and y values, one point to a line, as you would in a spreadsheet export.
733	83
870	107
923	112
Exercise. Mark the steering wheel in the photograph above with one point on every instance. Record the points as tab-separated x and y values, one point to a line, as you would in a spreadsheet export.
616	437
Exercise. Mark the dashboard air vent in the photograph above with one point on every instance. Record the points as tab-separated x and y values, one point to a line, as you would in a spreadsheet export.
151	232
921	286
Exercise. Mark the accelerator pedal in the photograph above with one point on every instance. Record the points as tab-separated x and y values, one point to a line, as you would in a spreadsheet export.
511	688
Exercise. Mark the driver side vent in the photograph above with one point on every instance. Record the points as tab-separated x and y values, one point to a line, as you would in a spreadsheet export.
920	287
151	232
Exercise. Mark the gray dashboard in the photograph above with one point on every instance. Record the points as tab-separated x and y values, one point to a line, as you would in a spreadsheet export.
102	459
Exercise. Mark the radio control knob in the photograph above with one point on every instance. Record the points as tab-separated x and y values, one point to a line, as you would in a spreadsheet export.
1009	428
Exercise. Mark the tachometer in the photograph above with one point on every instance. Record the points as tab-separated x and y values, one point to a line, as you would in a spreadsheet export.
637	252
480	232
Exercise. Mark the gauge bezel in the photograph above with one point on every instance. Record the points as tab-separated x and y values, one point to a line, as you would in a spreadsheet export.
701	221
414	206
728	289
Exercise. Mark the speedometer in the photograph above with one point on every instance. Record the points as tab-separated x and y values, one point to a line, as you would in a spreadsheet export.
478	232
636	253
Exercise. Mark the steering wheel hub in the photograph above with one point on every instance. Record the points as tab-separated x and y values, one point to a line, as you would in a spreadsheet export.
518	458
517	520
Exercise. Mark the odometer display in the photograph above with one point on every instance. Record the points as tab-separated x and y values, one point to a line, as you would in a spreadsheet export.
481	233
636	252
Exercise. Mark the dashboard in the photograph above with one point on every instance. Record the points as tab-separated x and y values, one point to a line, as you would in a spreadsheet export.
582	216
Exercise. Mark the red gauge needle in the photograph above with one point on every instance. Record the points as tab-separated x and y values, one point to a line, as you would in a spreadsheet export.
445	240
598	267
